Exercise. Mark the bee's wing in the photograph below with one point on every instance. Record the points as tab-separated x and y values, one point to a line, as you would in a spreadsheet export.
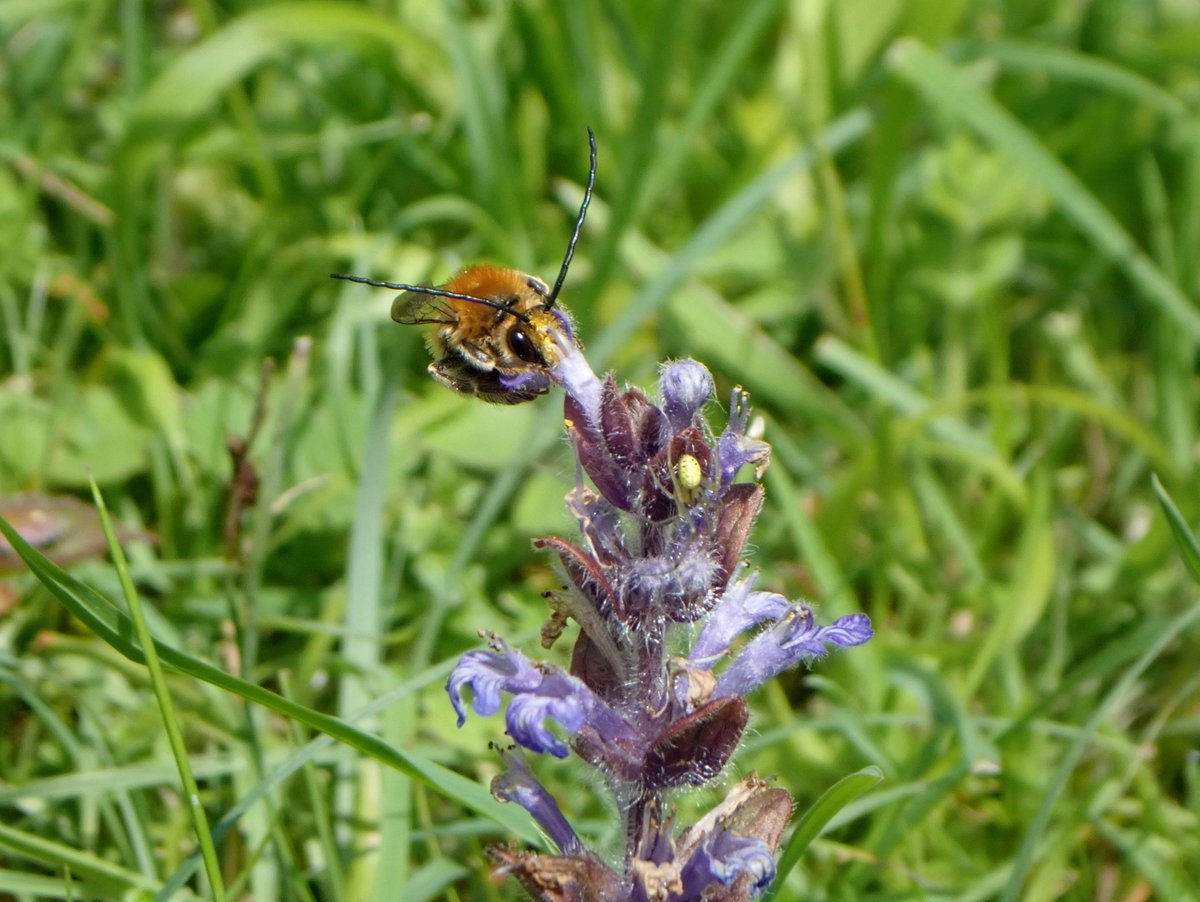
414	308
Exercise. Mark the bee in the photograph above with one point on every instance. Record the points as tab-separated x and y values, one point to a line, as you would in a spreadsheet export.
496	327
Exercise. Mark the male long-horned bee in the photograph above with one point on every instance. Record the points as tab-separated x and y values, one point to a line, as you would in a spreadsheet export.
496	327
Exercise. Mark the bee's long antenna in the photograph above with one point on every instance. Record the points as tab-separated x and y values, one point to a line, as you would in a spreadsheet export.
587	199
436	292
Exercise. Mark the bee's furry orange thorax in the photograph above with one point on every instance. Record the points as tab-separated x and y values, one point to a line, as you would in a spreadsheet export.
495	283
478	322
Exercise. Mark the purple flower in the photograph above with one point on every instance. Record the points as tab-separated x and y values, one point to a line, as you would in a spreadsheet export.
664	527
518	784
573	372
740	609
793	639
558	696
488	673
736	448
540	693
722	858
731	847
686	387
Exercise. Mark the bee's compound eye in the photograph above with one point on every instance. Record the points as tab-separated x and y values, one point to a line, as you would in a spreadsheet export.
521	345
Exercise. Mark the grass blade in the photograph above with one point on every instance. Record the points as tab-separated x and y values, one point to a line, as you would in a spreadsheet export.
196	79
814	820
162	694
720	226
954	94
1185	539
1036	831
111	878
113	627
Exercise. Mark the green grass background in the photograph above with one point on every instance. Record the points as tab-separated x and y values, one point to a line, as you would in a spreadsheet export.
950	248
